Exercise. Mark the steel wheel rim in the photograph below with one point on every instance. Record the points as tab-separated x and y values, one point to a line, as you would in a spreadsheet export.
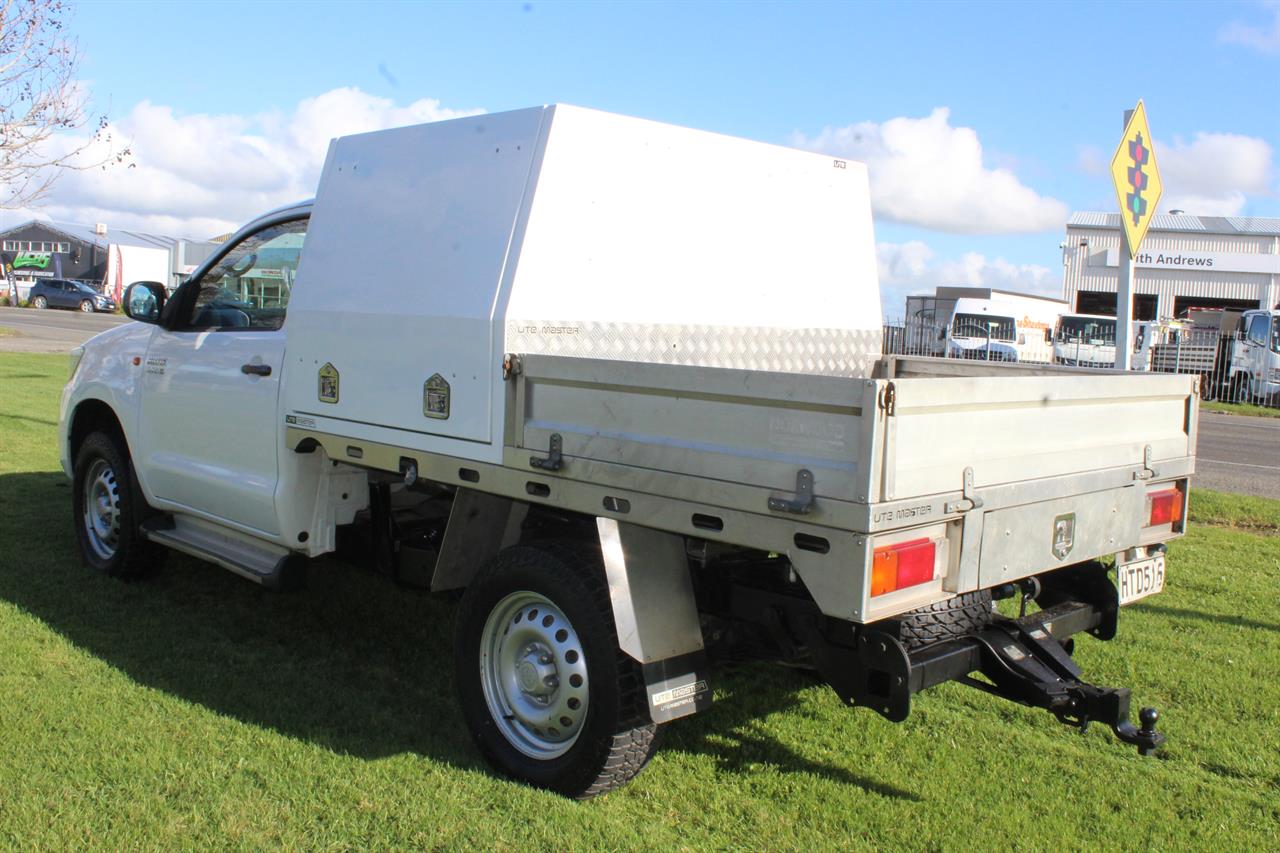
101	515
86	306
534	675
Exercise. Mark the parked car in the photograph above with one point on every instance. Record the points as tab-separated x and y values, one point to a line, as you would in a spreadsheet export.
61	293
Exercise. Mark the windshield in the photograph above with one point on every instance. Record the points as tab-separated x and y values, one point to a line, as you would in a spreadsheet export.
83	288
1086	330
978	326
1275	334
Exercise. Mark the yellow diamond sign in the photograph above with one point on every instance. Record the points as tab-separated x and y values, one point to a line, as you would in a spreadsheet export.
1136	178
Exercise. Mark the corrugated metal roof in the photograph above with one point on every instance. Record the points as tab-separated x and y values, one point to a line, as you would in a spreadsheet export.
1261	225
1255	224
120	237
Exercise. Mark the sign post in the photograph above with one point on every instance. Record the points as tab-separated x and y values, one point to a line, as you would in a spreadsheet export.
1138	188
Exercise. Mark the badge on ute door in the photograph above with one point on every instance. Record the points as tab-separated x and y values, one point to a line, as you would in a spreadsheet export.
1064	534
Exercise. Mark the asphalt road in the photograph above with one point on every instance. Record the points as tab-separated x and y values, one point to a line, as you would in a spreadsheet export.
50	330
1234	453
1238	453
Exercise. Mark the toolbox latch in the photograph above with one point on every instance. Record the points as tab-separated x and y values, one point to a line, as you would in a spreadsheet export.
1148	472
802	503
554	460
969	501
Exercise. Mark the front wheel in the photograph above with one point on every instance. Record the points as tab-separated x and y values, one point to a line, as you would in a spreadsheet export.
39	302
547	694
107	509
87	306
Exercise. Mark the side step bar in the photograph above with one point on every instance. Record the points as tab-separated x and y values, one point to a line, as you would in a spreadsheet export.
272	566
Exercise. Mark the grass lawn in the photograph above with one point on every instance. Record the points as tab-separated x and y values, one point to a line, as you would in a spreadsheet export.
1240	409
196	709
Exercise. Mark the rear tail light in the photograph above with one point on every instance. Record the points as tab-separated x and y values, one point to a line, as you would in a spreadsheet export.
902	565
1164	507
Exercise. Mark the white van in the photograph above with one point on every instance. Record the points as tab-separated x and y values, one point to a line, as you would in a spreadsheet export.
1011	328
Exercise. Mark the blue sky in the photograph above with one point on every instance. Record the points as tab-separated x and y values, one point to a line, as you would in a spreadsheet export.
1005	110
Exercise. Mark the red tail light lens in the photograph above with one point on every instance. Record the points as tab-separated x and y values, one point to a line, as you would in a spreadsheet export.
1164	507
902	565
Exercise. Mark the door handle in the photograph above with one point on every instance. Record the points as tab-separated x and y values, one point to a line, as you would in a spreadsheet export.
256	369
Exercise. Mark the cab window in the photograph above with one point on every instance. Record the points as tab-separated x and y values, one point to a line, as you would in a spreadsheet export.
1258	327
249	287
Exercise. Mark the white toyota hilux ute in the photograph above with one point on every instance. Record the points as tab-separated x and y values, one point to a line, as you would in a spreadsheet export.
620	383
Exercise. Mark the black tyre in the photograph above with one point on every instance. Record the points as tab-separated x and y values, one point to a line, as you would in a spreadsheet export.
39	302
86	306
956	617
547	694
107	509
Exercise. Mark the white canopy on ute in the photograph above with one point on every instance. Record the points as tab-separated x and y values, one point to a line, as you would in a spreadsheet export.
438	248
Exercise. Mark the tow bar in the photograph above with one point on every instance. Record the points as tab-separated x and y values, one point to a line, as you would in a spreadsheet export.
1026	660
1026	664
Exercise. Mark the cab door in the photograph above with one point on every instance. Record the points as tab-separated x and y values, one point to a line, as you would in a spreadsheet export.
211	386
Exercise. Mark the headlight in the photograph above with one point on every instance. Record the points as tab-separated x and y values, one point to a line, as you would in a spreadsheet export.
77	353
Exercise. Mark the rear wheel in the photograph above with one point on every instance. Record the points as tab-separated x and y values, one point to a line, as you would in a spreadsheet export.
107	509
39	302
547	694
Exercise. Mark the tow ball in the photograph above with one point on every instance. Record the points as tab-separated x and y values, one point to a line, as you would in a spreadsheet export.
1026	664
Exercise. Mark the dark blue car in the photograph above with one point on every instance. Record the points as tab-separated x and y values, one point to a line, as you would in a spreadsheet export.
60	293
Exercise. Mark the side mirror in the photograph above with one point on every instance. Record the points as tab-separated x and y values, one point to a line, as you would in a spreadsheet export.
143	301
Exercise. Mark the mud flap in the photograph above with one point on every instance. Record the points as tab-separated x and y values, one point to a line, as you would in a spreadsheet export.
677	687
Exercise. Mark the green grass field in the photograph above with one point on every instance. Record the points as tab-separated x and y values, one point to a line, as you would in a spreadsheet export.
1240	409
197	710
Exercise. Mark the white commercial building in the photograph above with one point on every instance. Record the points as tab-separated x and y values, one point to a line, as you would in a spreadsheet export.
1185	262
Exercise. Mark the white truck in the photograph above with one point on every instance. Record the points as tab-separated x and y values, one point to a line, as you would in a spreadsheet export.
1236	354
1007	327
620	383
1085	340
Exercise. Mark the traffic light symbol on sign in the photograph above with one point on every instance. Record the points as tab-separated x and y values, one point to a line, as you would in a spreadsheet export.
1139	154
1136	178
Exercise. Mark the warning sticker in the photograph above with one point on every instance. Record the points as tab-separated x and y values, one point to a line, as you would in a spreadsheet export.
327	384
435	397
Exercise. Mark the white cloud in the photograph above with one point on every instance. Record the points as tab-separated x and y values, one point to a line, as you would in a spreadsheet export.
913	267
924	171
199	175
1213	174
1262	37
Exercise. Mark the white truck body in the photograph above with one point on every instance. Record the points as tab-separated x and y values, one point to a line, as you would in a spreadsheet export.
570	316
1008	328
1085	340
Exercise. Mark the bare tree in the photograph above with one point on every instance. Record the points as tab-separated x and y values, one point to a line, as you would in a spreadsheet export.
39	98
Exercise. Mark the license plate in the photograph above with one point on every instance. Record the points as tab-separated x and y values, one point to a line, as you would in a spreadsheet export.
1140	579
